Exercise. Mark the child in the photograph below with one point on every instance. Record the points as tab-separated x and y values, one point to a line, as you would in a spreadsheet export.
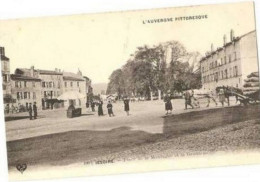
110	109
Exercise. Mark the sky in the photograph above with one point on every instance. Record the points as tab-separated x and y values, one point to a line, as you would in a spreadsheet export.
97	44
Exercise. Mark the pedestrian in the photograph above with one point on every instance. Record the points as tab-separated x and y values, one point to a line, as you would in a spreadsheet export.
110	109
126	106
221	95
92	106
187	97
100	108
34	110
168	104
227	94
30	111
211	96
194	101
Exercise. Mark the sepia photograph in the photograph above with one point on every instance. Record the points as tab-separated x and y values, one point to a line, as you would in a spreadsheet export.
130	91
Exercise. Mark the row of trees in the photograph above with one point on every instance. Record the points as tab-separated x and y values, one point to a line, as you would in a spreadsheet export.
146	73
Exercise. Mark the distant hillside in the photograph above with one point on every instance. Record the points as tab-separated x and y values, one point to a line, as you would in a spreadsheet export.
99	87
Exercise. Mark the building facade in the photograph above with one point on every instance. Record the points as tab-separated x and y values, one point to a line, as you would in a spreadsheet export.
74	82
25	90
44	87
50	85
5	70
230	64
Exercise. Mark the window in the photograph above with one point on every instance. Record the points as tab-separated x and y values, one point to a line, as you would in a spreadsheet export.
216	63
5	77
235	56
29	95
43	84
21	95
34	95
222	74
33	84
78	84
225	60
229	58
65	84
25	95
25	83
71	84
58	84
16	84
221	61
18	95
230	72
226	73
235	71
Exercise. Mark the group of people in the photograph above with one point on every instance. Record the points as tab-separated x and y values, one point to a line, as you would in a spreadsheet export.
32	111
110	112
193	102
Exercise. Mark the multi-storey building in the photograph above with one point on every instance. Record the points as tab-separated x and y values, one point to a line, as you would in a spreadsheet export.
74	82
89	89
41	86
25	90
230	64
5	70
51	85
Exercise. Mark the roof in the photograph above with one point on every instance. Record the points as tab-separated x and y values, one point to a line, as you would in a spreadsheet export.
86	77
43	72
226	45
49	72
22	77
70	78
4	58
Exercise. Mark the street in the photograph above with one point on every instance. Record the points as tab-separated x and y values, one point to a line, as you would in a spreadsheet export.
54	139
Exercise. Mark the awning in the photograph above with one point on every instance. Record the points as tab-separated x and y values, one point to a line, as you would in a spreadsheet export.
71	95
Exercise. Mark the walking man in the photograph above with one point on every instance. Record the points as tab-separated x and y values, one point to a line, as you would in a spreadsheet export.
211	97
110	109
34	110
126	106
92	106
30	111
187	97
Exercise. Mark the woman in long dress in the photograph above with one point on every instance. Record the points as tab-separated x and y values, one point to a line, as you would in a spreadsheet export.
126	106
100	108
168	104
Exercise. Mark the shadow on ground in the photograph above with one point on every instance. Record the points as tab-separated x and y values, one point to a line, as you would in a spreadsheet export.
79	146
199	121
13	118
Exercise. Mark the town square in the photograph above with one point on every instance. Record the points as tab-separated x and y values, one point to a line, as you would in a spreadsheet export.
78	90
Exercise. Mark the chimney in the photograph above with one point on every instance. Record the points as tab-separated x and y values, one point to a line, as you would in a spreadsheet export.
2	51
224	40
232	35
212	48
32	71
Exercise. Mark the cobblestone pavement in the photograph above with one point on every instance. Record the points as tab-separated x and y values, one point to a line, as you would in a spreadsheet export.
235	137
